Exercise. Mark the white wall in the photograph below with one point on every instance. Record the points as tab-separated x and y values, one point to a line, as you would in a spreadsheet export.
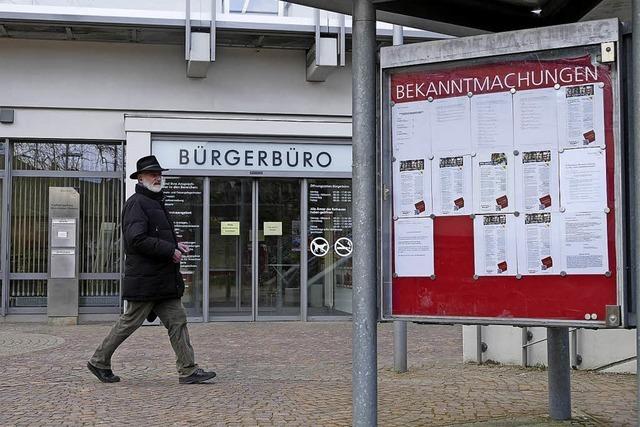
136	77
598	348
64	124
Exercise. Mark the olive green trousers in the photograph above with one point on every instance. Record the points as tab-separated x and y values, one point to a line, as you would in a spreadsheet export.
173	317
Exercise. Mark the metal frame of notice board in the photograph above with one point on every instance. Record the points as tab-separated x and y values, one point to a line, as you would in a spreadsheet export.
454	294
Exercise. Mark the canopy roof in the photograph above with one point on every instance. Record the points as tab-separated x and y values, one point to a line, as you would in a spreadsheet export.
468	17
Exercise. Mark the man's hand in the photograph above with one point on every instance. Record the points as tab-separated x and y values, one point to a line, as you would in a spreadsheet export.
183	248
177	256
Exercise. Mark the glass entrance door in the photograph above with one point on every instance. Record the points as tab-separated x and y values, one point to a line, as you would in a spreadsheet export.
230	248
254	249
278	276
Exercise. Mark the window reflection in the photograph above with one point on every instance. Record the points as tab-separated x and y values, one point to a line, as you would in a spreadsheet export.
279	247
183	199
2	155
253	6
329	247
230	253
67	156
99	236
99	240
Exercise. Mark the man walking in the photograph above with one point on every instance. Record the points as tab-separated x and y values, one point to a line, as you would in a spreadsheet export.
153	284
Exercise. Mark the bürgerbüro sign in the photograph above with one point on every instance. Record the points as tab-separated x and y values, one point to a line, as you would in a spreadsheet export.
253	156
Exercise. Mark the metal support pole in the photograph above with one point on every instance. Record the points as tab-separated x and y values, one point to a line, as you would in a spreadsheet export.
304	260
398	35
316	21
400	346
5	226
399	326
364	370
635	208
187	30
342	37
479	344
206	242
525	348
559	373
212	31
574	348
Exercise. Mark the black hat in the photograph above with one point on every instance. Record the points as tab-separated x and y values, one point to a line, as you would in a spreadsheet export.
147	164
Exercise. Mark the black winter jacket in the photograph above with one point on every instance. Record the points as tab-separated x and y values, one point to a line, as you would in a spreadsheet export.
149	244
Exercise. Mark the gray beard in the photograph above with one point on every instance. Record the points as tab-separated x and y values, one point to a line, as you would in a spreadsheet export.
152	187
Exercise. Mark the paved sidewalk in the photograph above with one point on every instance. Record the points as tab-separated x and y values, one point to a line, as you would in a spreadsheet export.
285	373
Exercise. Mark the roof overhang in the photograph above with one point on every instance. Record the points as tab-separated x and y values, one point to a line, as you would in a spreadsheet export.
472	17
346	6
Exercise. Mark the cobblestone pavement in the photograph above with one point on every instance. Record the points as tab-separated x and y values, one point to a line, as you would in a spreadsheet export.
281	373
12	343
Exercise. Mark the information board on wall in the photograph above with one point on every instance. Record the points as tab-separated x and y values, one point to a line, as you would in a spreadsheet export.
330	243
183	200
330	209
503	194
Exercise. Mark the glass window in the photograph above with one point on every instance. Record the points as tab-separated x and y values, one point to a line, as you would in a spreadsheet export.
1	220
183	199
329	247
100	235
67	156
230	250
254	6
2	154
99	227
278	247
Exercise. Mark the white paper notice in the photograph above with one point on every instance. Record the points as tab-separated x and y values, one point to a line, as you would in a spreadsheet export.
493	182
581	116
584	242
538	243
494	238
492	122
583	180
535	118
452	185
537	181
451	125
412	188
414	247
410	129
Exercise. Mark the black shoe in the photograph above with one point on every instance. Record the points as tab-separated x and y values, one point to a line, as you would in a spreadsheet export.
199	376
104	375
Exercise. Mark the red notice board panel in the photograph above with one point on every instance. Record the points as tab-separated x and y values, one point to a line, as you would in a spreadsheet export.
453	294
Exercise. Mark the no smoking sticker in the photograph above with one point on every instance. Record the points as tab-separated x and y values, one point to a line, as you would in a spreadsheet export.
343	247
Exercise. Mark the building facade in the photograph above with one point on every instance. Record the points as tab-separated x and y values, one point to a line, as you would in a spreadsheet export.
248	104
258	144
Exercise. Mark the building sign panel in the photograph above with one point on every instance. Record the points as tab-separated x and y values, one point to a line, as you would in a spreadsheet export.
254	157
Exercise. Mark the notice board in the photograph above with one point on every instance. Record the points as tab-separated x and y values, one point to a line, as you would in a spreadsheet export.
501	168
